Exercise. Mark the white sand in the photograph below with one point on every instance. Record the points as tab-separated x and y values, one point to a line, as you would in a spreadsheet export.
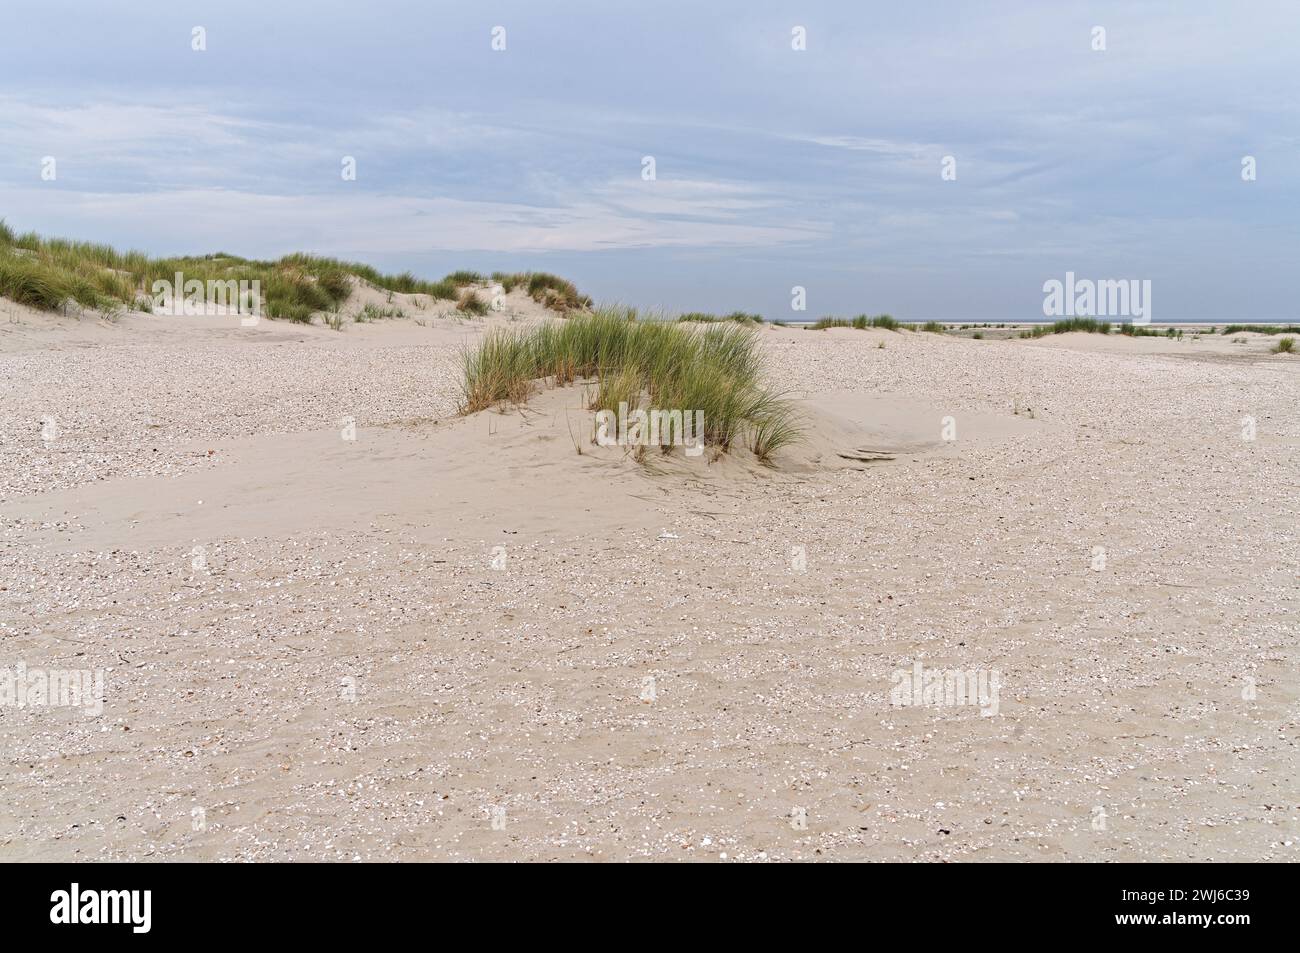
1121	690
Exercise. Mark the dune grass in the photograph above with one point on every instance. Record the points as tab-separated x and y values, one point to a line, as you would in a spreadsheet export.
1086	325
1263	328
862	322
509	280
471	303
555	292
373	312
48	273
661	364
1284	346
463	278
739	317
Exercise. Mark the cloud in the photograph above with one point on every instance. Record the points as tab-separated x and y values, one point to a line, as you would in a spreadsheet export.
881	147
356	224
822	164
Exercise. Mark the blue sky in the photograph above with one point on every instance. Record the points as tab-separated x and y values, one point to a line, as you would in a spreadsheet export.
774	167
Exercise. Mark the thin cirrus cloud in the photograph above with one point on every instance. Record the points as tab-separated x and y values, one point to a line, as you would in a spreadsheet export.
220	171
384	227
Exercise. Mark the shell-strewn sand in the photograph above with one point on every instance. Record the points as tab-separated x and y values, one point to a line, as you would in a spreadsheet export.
312	654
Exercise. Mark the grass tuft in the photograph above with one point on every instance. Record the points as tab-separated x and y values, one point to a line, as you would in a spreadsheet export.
373	312
1263	328
738	317
471	303
1086	325
462	278
556	293
659	364
861	322
551	290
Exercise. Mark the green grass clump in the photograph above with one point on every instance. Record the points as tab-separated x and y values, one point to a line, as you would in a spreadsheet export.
861	322
934	327
290	311
373	312
471	303
660	364
1263	328
1086	325
739	317
333	272
1137	331
551	290
462	278
1284	346
38	285
50	274
555	292
502	368
509	280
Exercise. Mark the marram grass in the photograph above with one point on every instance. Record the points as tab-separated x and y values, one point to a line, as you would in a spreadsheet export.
48	273
739	317
471	303
1263	328
661	364
551	290
862	322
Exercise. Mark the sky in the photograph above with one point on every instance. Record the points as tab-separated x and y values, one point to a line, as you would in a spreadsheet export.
774	167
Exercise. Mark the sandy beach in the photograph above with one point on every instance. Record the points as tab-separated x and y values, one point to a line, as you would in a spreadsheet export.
337	621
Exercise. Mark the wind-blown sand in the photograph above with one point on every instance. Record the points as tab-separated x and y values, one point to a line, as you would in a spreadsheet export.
345	675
